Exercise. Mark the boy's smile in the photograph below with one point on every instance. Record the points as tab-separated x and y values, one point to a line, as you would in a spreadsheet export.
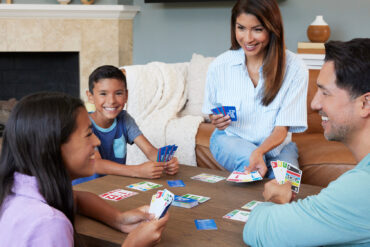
109	97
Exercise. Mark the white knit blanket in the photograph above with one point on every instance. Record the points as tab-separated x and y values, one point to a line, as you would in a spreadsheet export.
157	92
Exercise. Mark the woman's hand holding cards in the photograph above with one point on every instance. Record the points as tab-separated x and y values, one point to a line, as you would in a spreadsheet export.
256	162
129	220
220	121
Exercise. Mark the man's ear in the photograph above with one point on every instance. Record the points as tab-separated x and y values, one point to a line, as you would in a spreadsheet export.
90	97
365	103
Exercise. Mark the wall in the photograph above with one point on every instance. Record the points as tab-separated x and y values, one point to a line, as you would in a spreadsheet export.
172	32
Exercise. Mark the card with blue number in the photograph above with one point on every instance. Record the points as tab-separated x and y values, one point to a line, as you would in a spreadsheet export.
175	183
207	224
226	110
166	153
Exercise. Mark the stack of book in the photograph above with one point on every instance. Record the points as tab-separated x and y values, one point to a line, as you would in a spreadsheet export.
183	202
311	48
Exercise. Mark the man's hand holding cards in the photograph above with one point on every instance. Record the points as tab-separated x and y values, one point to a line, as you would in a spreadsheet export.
284	171
160	203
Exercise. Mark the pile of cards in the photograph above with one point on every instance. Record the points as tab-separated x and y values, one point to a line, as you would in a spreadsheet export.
144	186
160	203
184	202
166	153
241	177
117	195
284	171
226	110
209	178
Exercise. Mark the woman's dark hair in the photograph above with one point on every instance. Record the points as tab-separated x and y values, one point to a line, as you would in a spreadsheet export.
37	127
268	13
352	64
106	72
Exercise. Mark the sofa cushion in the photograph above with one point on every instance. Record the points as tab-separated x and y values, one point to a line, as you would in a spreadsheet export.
195	81
322	161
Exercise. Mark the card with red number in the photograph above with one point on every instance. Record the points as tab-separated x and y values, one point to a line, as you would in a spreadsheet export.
117	195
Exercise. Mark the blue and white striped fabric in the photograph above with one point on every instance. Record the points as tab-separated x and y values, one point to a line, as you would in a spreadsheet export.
229	84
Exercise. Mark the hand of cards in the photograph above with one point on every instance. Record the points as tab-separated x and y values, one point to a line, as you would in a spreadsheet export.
225	110
166	153
284	171
241	177
160	203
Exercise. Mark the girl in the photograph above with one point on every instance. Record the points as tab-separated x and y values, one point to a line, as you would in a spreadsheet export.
268	87
47	142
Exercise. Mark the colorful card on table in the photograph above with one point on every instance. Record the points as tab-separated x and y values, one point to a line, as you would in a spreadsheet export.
207	224
241	177
238	215
209	178
175	183
160	203
166	153
251	205
117	195
144	186
184	202
200	199
285	171
225	110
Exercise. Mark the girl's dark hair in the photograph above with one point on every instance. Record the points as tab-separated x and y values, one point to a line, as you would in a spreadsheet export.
268	13
37	127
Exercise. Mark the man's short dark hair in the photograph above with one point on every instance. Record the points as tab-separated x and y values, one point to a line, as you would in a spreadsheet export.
352	64
106	72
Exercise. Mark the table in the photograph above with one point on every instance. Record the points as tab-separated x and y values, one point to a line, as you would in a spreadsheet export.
180	229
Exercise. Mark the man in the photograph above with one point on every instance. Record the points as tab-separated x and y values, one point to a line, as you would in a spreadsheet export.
340	213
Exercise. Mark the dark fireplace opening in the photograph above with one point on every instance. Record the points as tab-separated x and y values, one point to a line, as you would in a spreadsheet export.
22	73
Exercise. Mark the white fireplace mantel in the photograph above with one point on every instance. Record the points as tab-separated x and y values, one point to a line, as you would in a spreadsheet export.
73	11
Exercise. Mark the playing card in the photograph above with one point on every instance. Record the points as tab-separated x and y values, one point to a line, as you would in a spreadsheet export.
294	175
209	178
231	111
237	214
160	203
277	172
144	186
241	177
251	205
200	199
207	224
175	183
117	195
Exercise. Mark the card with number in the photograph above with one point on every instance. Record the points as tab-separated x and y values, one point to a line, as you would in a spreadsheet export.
209	178
144	186
160	203
238	215
117	195
241	177
251	205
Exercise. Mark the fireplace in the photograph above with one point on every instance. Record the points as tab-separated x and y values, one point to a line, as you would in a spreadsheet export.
23	73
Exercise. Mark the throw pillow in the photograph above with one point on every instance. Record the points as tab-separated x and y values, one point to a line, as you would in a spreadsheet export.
195	82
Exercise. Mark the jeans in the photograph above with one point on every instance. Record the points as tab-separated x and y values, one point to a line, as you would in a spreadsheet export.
233	152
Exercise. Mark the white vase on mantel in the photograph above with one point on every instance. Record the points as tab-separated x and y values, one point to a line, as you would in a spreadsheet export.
64	1
319	30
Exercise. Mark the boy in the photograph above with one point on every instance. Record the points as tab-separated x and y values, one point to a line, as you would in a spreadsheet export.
115	127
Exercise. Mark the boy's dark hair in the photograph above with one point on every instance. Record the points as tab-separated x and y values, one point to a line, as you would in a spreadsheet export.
352	64
106	72
37	127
